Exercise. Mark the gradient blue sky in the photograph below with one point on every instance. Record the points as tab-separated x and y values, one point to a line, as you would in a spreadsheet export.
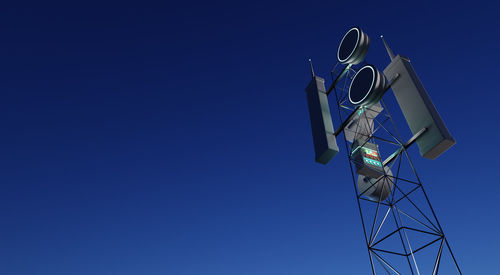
174	138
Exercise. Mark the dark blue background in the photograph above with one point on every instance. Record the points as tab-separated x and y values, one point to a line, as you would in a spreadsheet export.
174	138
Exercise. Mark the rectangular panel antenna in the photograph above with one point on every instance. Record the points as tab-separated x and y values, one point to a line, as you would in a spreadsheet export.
418	109
325	143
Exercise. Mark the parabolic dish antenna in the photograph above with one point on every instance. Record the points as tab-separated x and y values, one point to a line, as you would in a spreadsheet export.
353	47
367	86
376	189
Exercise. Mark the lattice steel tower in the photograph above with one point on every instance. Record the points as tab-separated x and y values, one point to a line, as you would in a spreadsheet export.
401	229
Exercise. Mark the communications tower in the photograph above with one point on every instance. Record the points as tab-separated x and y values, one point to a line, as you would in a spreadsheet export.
401	229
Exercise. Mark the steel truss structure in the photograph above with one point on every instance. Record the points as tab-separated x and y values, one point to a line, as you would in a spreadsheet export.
402	232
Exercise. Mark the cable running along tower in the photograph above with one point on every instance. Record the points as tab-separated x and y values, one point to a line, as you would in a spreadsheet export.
401	229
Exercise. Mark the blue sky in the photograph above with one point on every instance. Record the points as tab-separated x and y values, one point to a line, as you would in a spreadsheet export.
174	138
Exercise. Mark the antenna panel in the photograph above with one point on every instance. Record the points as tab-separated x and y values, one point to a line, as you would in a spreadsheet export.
325	144
418	109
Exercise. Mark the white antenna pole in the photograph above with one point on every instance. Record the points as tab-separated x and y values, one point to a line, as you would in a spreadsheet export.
389	51
312	70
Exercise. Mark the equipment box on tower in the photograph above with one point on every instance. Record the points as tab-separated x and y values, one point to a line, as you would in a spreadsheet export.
367	159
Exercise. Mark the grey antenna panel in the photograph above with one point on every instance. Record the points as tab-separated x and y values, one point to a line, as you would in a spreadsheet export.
325	143
418	109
